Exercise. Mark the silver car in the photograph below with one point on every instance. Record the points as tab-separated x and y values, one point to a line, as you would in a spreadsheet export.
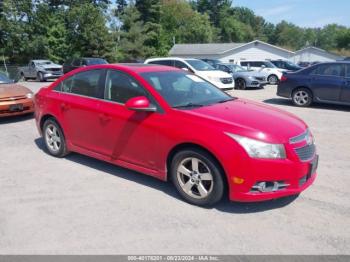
244	78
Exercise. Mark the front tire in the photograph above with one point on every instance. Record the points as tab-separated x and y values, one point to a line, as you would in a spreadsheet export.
302	97
272	79
41	77
197	177
54	138
241	84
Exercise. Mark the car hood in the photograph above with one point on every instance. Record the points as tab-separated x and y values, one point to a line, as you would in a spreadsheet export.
51	66
253	119
11	90
213	73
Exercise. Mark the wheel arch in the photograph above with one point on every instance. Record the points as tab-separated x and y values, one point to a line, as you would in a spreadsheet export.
46	117
184	146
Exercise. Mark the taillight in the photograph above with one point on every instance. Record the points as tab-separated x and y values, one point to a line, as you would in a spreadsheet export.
283	78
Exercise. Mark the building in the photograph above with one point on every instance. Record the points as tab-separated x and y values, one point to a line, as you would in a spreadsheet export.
255	50
230	52
314	54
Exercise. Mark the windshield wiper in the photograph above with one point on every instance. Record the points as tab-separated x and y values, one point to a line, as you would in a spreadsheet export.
188	105
226	100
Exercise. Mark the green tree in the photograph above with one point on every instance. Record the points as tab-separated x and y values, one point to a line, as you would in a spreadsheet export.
88	33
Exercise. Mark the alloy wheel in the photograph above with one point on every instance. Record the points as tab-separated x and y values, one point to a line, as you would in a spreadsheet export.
301	98
195	178
53	138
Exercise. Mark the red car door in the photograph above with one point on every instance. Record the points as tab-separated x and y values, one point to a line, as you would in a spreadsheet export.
128	136
80	103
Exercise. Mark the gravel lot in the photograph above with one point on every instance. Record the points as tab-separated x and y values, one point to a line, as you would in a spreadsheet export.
79	205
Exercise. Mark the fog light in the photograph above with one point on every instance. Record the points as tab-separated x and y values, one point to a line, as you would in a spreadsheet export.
237	180
269	186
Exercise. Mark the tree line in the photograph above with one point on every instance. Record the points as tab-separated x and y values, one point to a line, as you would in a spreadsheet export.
122	30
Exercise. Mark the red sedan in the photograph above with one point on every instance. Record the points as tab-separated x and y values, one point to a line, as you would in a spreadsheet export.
173	125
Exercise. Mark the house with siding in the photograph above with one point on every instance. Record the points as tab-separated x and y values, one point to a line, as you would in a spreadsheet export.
255	50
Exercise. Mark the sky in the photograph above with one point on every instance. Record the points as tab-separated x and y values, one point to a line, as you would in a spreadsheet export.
304	13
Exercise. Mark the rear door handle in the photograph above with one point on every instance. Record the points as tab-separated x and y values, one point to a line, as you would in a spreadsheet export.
65	107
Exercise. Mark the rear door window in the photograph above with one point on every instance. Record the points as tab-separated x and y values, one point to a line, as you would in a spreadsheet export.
88	83
329	70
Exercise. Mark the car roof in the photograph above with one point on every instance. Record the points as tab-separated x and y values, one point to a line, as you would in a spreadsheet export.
41	60
135	67
170	58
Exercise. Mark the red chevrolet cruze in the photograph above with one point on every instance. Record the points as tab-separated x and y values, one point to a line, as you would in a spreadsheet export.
171	124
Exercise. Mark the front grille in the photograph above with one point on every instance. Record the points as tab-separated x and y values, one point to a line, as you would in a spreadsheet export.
54	69
306	152
227	80
12	98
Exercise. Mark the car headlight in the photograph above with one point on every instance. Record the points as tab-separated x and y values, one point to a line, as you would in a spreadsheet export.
259	149
29	95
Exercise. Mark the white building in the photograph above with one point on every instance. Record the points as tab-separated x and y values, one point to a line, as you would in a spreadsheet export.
230	52
255	50
314	54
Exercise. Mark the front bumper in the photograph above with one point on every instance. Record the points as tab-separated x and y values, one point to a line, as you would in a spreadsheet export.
296	174
256	83
52	75
16	107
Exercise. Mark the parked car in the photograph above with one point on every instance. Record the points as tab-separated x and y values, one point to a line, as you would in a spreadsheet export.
274	73
285	64
14	98
244	78
323	83
41	70
212	62
176	126
304	64
75	63
198	67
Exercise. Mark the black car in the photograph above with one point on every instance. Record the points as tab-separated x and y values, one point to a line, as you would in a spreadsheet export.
285	64
75	63
323	83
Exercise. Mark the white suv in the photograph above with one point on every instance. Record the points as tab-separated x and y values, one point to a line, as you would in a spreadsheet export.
273	73
218	78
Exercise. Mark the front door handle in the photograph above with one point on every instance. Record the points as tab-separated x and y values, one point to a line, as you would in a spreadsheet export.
104	117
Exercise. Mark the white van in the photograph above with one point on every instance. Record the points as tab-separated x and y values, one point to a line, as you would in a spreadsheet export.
273	73
218	78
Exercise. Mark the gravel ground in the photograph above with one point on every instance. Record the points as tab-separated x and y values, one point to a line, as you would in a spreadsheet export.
79	205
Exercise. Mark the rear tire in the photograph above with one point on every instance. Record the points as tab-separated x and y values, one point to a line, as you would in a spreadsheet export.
22	77
302	97
272	79
54	138
197	177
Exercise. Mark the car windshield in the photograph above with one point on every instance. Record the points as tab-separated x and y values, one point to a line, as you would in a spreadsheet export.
96	61
4	79
46	62
185	91
269	64
200	65
236	68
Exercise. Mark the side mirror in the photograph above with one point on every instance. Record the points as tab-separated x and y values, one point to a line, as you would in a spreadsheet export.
140	103
263	66
185	68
